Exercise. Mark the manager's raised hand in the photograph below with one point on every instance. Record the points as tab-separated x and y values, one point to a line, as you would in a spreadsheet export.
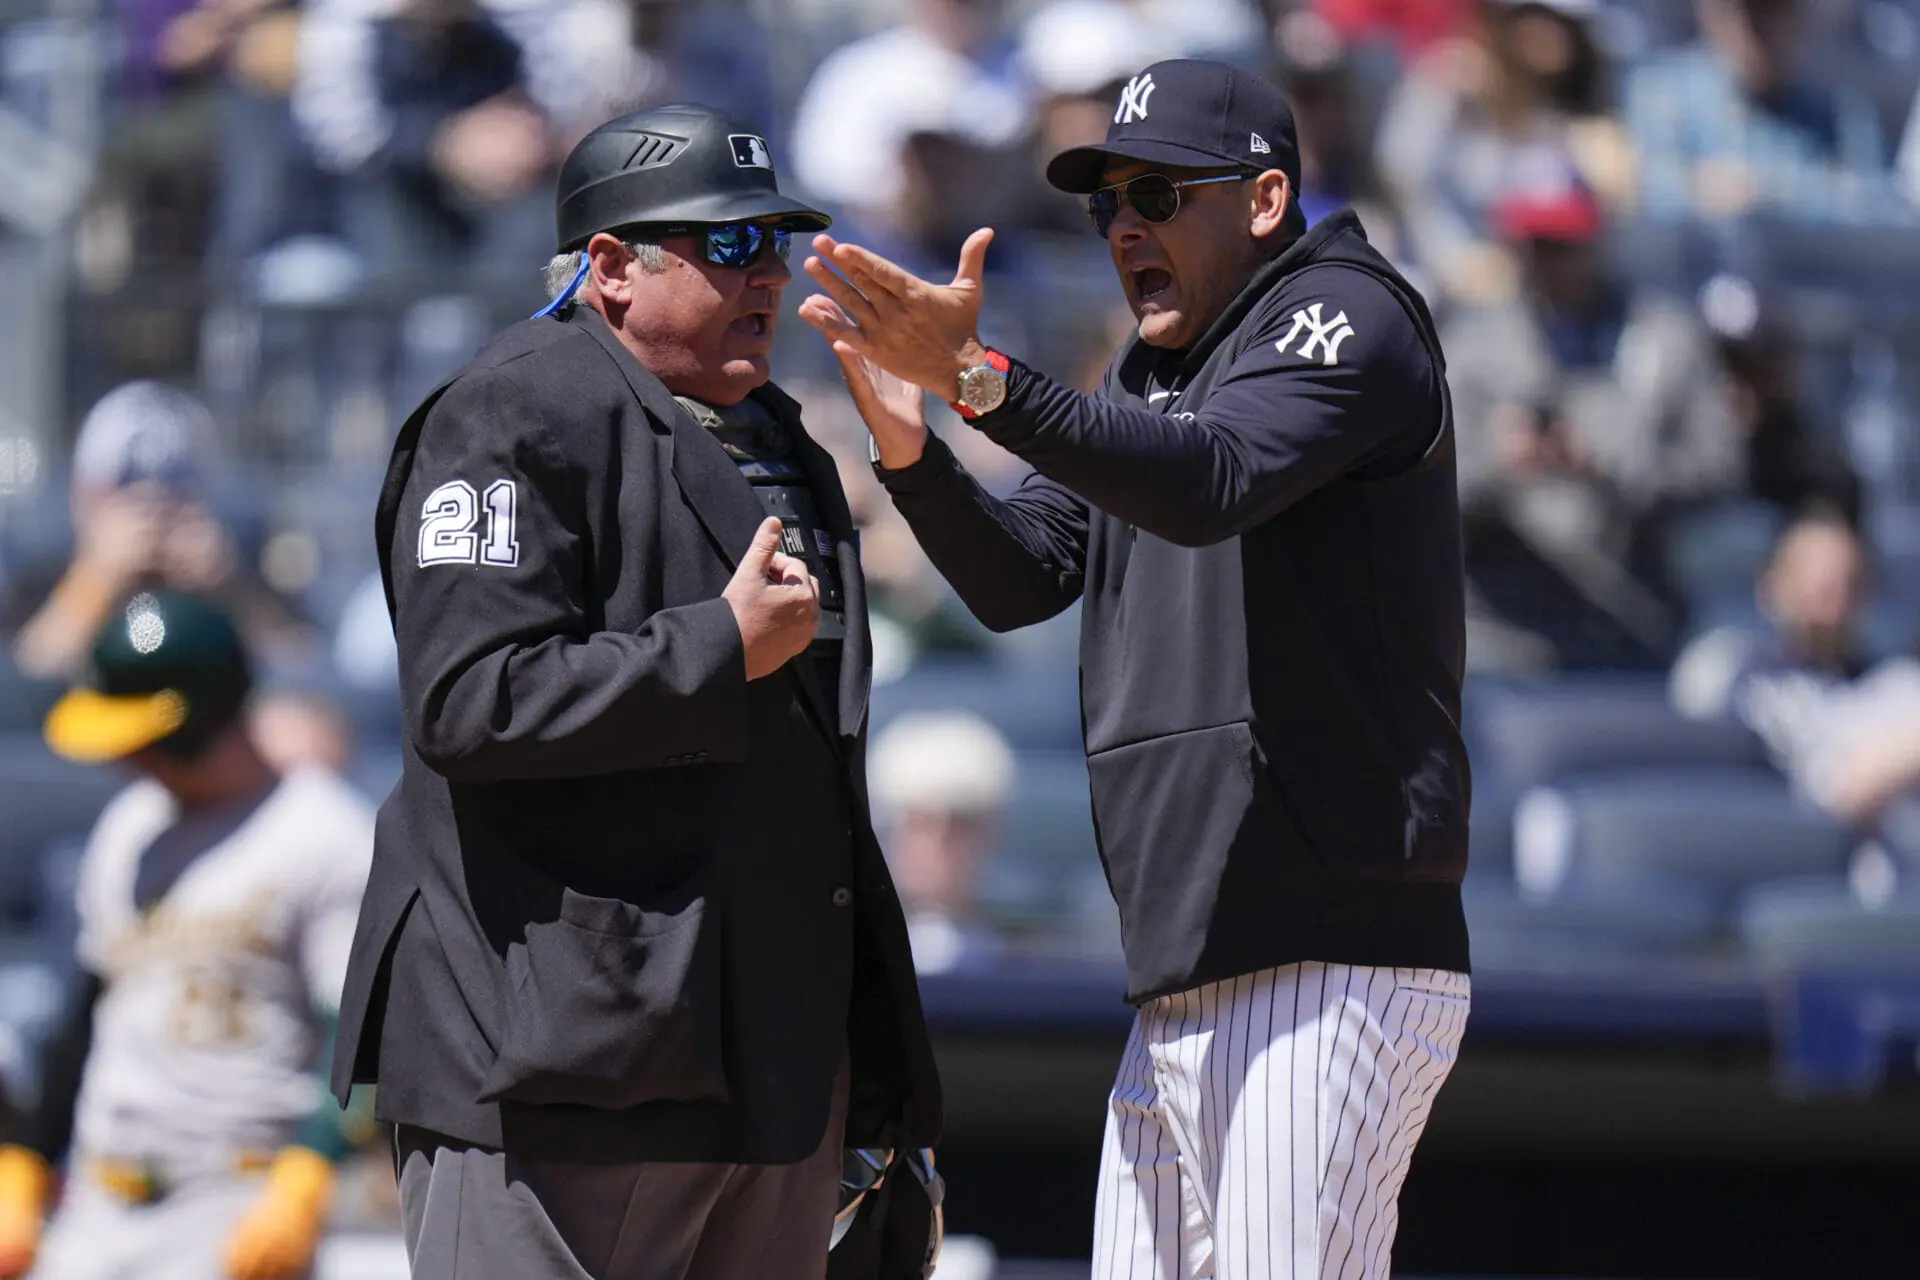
925	333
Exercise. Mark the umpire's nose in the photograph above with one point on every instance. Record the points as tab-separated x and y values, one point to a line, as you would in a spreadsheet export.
770	272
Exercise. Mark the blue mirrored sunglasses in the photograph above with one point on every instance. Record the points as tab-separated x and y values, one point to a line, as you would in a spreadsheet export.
731	244
736	244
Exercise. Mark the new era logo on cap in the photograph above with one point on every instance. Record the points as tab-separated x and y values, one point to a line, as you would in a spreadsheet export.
1259	146
750	152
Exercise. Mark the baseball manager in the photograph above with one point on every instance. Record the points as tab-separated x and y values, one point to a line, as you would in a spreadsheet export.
630	968
1257	513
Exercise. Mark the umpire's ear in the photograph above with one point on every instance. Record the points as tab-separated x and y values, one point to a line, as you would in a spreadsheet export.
1271	196
612	266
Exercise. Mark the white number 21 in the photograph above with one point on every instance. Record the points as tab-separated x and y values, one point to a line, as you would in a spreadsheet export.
447	520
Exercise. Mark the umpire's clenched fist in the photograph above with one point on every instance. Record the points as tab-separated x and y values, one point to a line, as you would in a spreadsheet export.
775	601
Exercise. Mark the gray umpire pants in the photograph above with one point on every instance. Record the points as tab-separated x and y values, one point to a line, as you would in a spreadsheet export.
470	1213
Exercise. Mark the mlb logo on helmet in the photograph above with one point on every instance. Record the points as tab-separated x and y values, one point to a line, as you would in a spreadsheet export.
750	152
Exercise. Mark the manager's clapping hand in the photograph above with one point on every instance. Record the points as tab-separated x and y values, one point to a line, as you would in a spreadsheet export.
927	334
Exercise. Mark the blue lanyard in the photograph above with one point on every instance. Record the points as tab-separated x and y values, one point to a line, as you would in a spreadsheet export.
566	294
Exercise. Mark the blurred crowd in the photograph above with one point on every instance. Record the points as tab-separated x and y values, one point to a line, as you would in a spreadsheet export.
1673	245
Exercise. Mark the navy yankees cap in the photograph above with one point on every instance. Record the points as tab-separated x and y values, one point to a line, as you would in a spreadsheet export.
1191	113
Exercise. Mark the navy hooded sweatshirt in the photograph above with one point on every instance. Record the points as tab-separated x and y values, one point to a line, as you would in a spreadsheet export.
1264	532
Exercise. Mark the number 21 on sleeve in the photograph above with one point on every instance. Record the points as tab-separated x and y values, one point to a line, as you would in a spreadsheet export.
447	521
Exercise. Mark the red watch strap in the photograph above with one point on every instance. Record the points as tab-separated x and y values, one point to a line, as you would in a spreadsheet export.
994	360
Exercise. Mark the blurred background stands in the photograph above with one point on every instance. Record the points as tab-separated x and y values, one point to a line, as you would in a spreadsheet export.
1673	245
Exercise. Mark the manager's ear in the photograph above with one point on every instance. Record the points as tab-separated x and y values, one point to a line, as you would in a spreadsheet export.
1271	197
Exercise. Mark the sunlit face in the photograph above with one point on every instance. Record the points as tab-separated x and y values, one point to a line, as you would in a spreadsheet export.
936	858
1543	43
704	331
1816	586
1180	274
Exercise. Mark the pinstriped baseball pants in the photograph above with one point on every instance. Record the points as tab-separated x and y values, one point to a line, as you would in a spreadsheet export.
1260	1128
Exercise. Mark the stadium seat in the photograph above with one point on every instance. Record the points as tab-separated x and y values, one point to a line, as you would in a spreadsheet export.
1689	833
1821	921
1668	256
1845	982
1531	732
1870	271
1527	733
1511	932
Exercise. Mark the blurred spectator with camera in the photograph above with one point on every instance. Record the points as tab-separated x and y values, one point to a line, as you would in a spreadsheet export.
142	516
940	786
1587	413
1730	126
1530	76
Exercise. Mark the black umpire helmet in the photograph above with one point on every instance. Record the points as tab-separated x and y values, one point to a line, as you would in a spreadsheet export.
168	672
668	165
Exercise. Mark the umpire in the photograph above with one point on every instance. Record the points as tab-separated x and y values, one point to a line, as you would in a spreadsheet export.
1257	514
630	965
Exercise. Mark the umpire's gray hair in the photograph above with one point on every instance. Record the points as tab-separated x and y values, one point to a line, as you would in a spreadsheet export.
561	268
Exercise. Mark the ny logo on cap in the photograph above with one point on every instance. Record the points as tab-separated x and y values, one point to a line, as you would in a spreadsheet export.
750	152
1133	100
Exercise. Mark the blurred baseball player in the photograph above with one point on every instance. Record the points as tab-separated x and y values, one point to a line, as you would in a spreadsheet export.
216	901
1258	516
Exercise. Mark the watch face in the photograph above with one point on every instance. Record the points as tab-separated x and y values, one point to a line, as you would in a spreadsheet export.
983	388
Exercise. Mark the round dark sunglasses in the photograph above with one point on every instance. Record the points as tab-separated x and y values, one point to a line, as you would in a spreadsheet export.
1154	196
736	244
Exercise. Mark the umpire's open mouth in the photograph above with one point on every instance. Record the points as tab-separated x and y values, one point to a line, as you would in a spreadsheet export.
754	324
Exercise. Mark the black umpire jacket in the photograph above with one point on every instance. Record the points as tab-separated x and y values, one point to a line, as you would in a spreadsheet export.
1264	533
624	904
